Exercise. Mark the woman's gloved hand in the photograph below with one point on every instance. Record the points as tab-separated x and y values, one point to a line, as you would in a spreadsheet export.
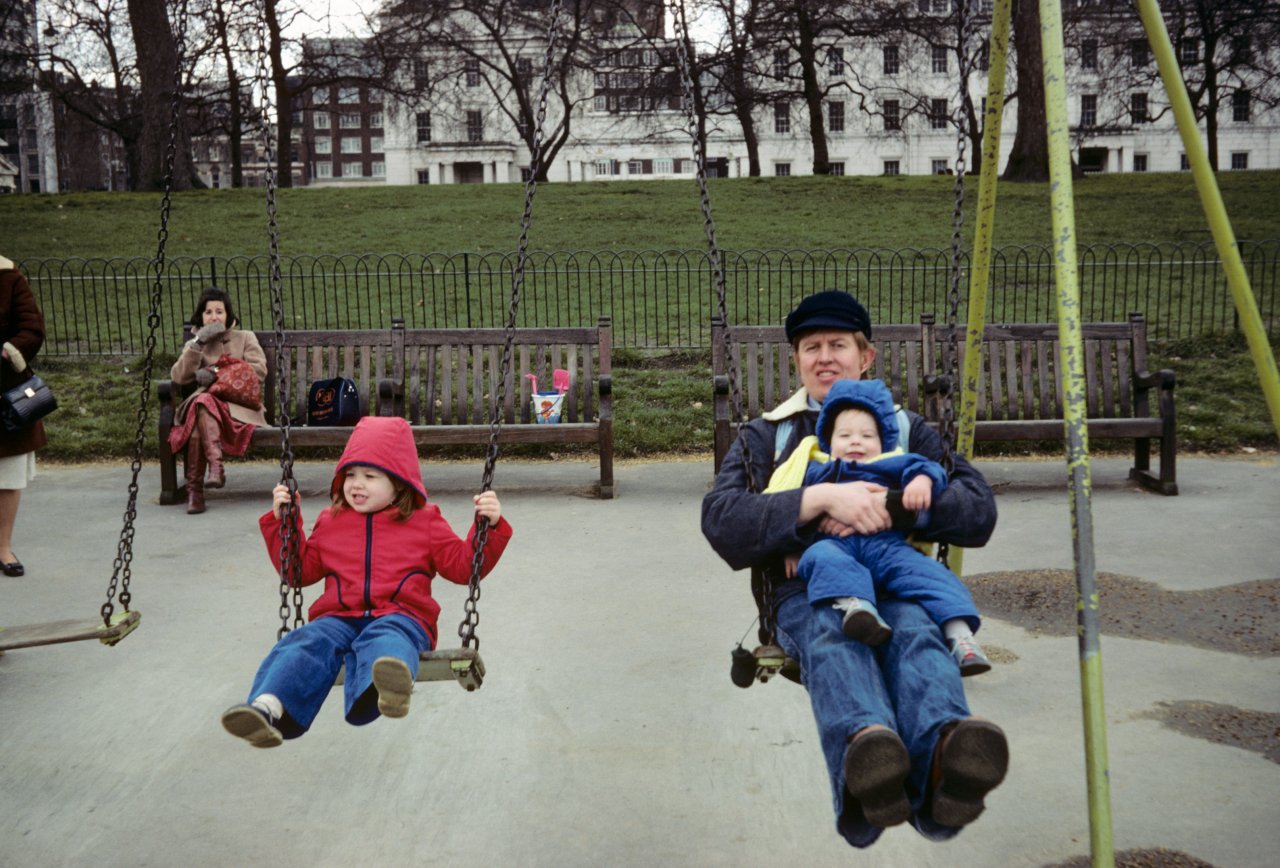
205	378
209	331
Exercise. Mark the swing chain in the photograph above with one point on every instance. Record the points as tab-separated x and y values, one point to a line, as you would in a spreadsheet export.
947	428
760	585
290	560
471	613
122	570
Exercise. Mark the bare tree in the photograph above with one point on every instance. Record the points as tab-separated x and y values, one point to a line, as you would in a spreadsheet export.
733	68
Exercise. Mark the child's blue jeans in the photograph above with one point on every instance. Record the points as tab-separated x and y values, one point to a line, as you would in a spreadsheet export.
300	669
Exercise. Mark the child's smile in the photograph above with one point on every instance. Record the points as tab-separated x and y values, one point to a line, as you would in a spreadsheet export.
367	489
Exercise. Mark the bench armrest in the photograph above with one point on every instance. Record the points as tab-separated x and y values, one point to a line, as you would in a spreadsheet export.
390	397
1163	379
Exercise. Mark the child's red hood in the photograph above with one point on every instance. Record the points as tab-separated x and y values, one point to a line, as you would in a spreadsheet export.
384	442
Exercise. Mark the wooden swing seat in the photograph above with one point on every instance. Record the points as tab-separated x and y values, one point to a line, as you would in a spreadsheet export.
71	630
462	665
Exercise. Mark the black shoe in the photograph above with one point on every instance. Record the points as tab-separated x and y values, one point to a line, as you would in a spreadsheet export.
972	760
253	724
14	569
876	766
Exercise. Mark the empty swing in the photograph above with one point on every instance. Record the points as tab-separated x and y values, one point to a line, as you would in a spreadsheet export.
114	626
462	664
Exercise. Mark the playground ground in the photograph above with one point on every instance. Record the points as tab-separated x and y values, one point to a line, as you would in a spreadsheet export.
607	731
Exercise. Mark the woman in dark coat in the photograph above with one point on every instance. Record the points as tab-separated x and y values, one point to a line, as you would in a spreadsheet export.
22	325
205	425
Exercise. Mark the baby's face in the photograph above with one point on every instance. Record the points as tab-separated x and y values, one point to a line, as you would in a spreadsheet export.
855	436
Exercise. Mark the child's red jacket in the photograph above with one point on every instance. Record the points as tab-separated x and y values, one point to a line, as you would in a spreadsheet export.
375	564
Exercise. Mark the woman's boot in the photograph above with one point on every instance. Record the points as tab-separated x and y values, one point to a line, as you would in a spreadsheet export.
210	436
195	475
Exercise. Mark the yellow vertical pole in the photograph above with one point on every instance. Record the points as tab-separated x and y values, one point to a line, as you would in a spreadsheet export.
984	231
1215	211
1071	340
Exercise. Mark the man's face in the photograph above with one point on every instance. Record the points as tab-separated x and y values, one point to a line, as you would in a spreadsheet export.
822	357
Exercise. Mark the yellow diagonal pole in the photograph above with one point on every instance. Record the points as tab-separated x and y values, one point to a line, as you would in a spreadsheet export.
1071	340
1214	210
984	231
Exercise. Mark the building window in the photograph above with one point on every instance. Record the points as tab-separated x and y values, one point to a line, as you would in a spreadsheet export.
424	176
835	168
471	71
324	170
935	7
1241	49
376	145
636	167
607	167
1089	54
782	170
780	64
350	121
1189	52
1239	159
835	117
1138	108
1240	106
1089	110
424	127
1139	162
939	166
421	77
320	120
352	170
324	145
1184	165
984	57
891	60
524	67
348	94
892	167
351	145
938	114
1139	52
835	62
375	120
938	57
526	174
475	126
892	115
379	169
781	117
662	166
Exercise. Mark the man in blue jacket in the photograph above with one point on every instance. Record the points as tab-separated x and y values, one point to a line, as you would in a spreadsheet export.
896	731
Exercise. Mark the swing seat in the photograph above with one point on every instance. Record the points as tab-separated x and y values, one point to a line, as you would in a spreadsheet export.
462	665
71	630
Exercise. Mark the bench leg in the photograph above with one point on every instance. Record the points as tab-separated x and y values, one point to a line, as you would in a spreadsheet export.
170	491
1166	482
606	461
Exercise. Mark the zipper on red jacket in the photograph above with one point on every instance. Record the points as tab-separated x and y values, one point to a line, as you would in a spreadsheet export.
368	564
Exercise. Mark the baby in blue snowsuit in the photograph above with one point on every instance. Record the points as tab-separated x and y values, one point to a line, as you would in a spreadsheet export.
858	440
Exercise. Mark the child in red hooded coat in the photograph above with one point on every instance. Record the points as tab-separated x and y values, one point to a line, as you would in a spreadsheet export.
377	549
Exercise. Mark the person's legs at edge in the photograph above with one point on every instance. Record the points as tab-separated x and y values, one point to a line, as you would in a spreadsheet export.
848	695
9	499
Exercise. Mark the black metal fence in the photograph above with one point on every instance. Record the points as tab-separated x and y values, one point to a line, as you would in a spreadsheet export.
657	299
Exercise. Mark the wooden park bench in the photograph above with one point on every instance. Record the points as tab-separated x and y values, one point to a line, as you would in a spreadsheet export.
1019	394
443	381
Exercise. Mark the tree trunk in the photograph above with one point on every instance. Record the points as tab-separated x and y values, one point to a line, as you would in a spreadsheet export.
157	73
283	96
1029	157
235	131
812	91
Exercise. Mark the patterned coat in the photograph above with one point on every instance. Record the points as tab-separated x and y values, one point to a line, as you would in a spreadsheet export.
22	325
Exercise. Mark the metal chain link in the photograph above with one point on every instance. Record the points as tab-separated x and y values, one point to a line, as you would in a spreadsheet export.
290	561
122	567
948	420
471	613
760	588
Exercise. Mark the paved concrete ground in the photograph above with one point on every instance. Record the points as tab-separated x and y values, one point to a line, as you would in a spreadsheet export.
607	731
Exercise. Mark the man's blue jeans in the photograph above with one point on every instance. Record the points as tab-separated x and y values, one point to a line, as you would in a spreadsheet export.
911	685
300	669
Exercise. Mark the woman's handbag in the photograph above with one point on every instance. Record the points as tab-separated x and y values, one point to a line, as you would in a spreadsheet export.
26	402
236	382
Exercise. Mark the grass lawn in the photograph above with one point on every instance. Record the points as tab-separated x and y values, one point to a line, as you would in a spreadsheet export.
664	400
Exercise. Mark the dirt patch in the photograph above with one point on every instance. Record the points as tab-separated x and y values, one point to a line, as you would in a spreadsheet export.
1238	619
1258	731
1156	857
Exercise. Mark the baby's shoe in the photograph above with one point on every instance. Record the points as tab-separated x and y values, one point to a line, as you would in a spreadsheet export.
394	682
862	621
254	723
968	654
